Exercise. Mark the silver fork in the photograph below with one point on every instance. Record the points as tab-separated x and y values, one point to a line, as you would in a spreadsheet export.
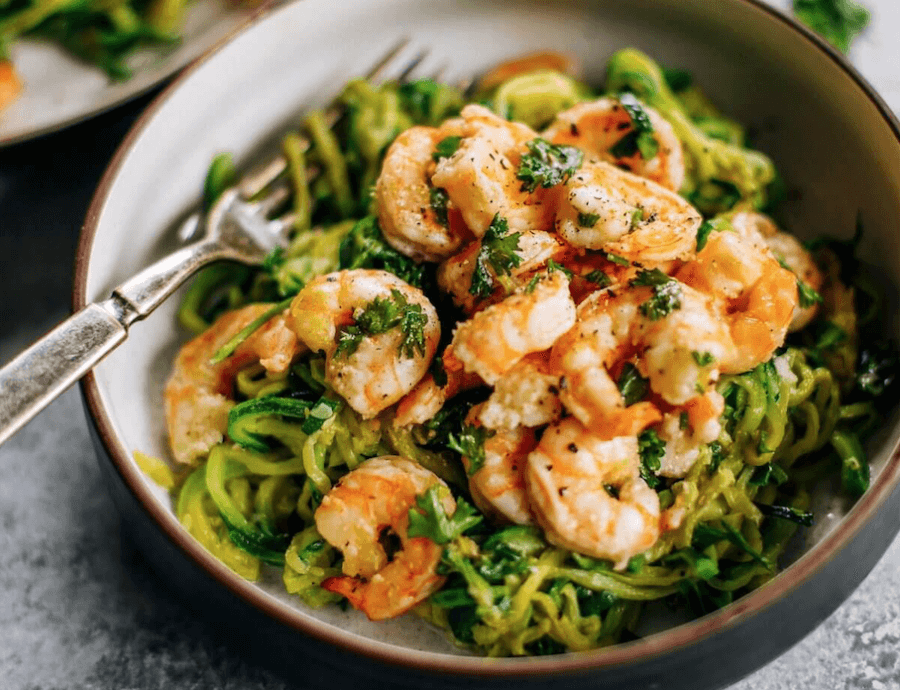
238	227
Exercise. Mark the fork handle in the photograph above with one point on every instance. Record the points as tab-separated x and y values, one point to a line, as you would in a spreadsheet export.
42	372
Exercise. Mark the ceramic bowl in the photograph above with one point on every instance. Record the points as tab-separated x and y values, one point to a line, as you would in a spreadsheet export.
833	139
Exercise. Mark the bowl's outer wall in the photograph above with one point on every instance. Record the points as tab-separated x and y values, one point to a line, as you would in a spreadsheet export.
713	662
808	111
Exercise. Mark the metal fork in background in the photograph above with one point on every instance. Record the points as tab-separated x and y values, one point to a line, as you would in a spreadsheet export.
238	227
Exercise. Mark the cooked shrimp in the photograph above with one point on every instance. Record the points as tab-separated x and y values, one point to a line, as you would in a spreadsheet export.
587	493
597	126
526	395
498	486
364	505
686	430
403	196
492	341
788	249
425	400
198	394
754	294
606	208
610	329
381	369
480	177
535	249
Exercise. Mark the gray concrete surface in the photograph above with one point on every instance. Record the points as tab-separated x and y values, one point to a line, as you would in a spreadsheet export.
79	608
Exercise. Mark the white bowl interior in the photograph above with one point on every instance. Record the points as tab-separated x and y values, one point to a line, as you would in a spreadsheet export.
829	140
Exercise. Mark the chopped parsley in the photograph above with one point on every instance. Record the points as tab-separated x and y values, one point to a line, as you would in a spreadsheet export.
703	359
632	385
652	278
439	201
470	444
616	259
640	139
808	296
666	294
838	21
382	315
588	220
651	449
365	247
446	147
553	266
429	519
703	233
599	278
498	251
547	165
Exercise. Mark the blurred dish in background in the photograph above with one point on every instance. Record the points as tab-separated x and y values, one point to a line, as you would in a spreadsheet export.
65	61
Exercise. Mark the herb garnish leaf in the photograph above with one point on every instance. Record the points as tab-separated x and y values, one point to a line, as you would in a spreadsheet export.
429	519
380	316
547	165
498	251
470	444
838	21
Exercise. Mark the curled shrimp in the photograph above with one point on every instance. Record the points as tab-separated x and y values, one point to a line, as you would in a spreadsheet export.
498	485
597	126
587	493
385	365
403	195
425	400
680	354
198	394
493	340
454	275
370	500
480	177
754	294
526	395
603	207
788	249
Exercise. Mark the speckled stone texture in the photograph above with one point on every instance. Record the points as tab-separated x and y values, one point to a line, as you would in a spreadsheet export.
79	607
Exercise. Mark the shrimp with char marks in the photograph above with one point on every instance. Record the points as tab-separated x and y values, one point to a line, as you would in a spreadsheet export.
387	360
603	207
493	340
354	516
597	126
587	493
480	177
198	395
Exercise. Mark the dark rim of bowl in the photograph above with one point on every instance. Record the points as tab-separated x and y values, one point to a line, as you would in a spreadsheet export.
618	655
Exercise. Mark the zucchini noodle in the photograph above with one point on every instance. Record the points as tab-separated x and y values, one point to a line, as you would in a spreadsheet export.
788	424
